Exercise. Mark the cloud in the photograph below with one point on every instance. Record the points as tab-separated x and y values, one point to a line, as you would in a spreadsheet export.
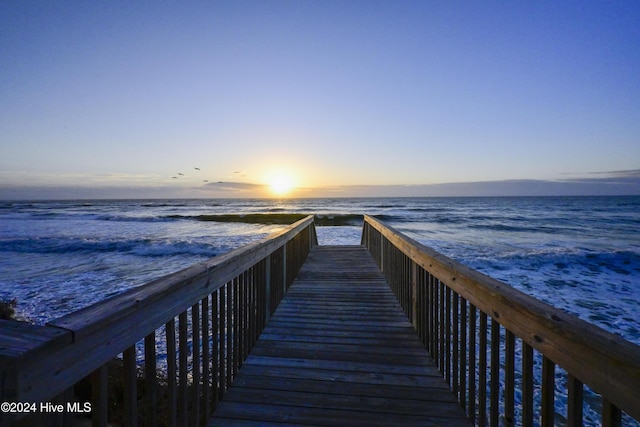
232	186
633	173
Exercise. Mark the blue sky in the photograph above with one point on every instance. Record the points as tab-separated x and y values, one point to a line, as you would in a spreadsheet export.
114	99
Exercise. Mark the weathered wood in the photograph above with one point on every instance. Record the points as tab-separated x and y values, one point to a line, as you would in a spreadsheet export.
548	395
183	350
604	361
482	371
151	381
194	410
473	313
20	345
339	349
21	342
172	372
99	396
509	378
494	382
527	385
206	365
575	393
130	387
611	416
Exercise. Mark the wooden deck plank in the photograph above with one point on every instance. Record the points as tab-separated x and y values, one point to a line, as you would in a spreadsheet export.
339	351
367	380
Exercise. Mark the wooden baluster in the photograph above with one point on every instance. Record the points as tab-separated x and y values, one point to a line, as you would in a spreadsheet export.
229	327
251	310
130	416
223	341
428	310
266	296
172	386
463	353
243	321
611	416
215	352
183	386
151	380
413	279
248	313
442	325
548	392
195	364
99	397
509	378
236	326
447	336
575	393
482	371
456	346
494	384
435	344
424	307
527	385
473	313
206	357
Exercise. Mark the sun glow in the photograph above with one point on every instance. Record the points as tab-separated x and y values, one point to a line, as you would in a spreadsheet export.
281	185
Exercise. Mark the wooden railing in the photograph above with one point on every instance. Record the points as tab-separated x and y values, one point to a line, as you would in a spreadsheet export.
509	358
209	315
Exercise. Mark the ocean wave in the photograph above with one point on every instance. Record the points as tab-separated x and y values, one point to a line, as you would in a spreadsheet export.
141	247
383	206
339	220
122	218
443	219
164	205
276	218
250	218
514	228
564	261
429	209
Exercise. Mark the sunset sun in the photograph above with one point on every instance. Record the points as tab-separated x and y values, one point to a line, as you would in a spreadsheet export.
281	185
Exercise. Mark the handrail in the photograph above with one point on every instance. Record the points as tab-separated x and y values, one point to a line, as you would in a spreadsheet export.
440	297
230	297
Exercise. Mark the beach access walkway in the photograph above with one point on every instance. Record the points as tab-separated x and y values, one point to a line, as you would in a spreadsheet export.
339	350
283	331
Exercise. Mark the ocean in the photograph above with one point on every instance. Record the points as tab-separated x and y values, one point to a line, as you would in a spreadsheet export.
580	254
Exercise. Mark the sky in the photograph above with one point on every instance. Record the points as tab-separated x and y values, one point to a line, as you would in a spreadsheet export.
318	98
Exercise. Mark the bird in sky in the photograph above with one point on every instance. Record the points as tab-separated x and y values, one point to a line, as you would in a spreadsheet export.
181	174
197	169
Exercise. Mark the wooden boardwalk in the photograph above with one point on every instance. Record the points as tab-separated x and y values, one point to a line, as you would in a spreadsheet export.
339	351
